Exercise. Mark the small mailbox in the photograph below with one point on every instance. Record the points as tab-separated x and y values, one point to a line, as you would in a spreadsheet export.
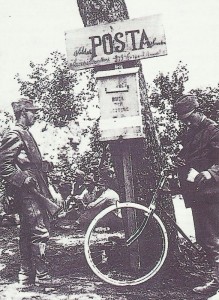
119	104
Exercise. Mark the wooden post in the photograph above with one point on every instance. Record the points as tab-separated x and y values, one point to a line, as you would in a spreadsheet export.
120	105
129	195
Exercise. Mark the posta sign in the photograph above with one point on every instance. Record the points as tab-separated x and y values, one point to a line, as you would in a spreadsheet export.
115	42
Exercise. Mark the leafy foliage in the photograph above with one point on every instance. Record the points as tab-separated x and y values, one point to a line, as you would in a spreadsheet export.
63	98
5	120
208	100
98	156
57	89
167	88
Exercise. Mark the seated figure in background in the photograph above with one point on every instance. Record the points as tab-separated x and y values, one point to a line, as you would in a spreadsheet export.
83	192
77	191
105	197
90	192
78	186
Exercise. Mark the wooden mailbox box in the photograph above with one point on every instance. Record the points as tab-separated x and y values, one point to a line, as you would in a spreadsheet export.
119	104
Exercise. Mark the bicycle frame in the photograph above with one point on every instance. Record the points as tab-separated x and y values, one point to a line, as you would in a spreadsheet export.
152	208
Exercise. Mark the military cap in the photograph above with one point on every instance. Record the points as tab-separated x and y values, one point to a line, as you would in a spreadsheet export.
23	104
185	105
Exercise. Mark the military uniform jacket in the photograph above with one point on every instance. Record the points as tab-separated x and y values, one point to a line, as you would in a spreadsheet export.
201	152
20	158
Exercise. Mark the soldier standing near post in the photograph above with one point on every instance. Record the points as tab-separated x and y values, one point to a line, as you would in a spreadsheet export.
198	171
23	170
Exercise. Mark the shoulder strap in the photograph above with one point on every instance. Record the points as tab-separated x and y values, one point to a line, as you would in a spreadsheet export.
31	147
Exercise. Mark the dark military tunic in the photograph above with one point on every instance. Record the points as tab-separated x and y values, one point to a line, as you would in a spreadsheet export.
201	152
20	158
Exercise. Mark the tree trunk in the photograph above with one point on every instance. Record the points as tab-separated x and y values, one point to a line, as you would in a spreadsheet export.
146	154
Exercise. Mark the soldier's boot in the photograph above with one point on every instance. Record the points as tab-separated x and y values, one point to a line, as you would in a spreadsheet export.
26	275
210	288
214	297
43	279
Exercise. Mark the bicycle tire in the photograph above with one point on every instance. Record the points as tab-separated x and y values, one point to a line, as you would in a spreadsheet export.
101	243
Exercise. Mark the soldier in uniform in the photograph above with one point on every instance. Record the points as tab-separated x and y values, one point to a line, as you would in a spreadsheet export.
23	170
198	171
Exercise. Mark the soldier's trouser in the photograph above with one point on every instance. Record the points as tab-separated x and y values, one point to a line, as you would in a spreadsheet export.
34	233
206	221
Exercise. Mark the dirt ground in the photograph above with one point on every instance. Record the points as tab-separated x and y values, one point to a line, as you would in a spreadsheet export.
66	261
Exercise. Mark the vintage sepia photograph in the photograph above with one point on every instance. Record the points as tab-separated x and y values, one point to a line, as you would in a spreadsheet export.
109	150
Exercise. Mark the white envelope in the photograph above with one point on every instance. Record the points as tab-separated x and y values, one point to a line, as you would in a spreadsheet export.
192	174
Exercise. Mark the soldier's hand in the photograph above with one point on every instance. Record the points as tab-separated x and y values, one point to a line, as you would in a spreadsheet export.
90	205
30	182
202	178
180	162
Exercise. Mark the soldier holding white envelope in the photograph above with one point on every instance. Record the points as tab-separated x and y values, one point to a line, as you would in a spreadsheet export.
198	171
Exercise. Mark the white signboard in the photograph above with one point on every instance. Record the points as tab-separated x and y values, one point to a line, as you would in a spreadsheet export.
119	104
115	42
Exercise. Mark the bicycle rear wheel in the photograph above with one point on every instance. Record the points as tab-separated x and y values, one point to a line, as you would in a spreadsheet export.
106	247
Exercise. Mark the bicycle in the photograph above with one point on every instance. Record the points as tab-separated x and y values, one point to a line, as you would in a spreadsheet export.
109	248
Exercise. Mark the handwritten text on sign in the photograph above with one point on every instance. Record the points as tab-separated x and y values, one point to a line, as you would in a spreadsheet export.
115	42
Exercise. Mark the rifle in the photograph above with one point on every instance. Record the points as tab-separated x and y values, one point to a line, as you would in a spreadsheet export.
51	207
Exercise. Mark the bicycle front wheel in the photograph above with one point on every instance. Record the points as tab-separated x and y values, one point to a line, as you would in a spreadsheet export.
109	252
